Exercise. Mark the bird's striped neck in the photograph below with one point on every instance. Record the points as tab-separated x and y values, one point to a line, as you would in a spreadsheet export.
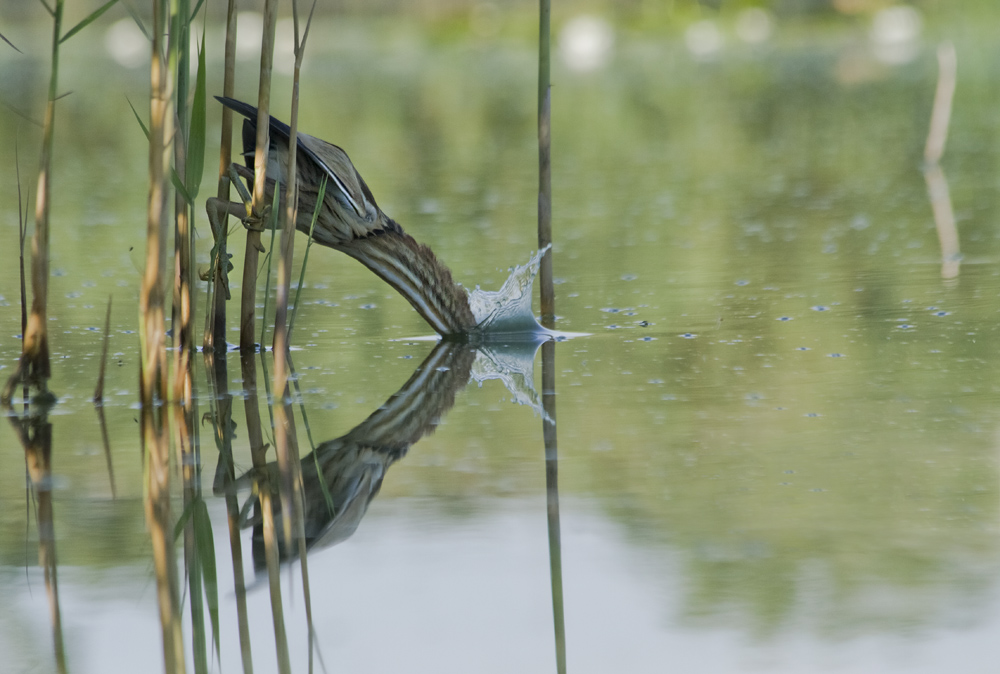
413	270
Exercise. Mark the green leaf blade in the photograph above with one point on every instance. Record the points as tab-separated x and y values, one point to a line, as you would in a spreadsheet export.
206	553
142	124
96	14
195	166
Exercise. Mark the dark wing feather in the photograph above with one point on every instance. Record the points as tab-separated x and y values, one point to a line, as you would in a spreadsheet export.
282	130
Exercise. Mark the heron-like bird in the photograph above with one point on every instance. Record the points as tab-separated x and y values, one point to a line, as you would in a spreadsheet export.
350	221
343	475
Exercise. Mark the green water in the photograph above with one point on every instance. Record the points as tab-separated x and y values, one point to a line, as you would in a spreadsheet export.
777	446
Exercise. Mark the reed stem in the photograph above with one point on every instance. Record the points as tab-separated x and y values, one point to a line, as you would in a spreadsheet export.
943	95
153	372
215	329
292	508
545	166
35	367
35	433
180	54
99	390
258	454
552	500
216	371
249	290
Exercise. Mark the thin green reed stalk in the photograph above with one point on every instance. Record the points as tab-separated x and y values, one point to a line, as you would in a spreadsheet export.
249	290
215	328
153	373
327	496
273	226
263	490
552	499
545	166
221	403
305	258
548	320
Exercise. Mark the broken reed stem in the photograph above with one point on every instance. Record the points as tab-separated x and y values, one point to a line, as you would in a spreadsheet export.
249	289
106	441
215	328
153	372
35	433
943	95
944	221
545	166
35	368
99	390
22	231
937	184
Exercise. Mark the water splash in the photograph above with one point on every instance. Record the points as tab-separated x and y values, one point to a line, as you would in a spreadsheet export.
514	365
508	311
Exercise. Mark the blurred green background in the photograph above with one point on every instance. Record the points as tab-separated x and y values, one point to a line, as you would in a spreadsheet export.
779	387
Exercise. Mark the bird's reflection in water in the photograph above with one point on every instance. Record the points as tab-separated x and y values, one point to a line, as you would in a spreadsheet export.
343	475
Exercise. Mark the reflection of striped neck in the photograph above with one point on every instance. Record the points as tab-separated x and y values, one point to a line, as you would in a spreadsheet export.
413	270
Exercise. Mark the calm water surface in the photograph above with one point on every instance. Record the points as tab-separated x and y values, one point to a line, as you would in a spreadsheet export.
778	445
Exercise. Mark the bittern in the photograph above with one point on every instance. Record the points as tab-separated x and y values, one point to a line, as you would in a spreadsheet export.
343	475
350	221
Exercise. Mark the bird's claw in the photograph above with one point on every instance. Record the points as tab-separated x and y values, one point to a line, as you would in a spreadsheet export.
255	223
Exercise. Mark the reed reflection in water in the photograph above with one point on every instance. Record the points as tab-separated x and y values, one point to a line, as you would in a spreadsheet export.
342	476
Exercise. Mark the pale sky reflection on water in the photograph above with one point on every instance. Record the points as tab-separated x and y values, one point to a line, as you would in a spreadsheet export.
408	594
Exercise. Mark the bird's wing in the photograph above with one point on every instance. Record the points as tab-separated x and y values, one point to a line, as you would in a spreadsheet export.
338	166
331	158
